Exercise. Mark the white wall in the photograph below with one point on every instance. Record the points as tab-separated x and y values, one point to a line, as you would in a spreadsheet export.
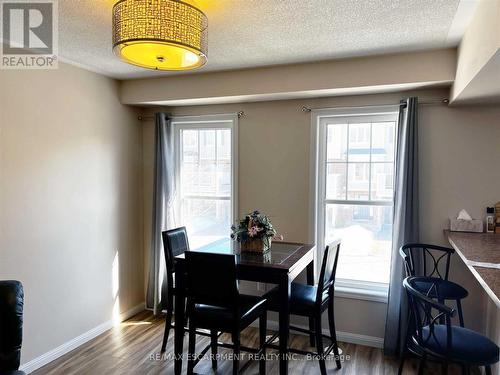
478	70
70	166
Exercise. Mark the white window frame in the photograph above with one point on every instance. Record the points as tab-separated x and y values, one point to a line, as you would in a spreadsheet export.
220	121
364	290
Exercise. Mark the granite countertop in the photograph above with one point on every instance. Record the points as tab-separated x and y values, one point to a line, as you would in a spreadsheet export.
481	254
477	247
491	277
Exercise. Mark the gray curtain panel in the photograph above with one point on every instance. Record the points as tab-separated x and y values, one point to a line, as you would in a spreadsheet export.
406	227
162	215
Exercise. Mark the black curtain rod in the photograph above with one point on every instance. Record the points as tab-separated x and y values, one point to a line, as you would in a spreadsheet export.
240	114
444	101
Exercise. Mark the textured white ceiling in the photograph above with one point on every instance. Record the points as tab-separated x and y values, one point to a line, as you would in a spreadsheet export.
250	33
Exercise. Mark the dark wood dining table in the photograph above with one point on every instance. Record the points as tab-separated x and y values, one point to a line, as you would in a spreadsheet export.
283	263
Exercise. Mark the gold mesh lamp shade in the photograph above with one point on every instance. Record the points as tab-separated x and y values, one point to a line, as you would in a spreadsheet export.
160	34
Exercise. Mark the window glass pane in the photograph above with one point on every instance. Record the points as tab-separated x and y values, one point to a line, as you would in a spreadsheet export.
199	179
366	234
336	180
205	174
223	179
383	134
207	144
206	177
359	142
189	177
190	145
336	147
224	145
206	220
358	183
382	181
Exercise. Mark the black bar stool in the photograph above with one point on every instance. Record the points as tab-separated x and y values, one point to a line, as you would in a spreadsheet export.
424	260
444	342
311	301
215	303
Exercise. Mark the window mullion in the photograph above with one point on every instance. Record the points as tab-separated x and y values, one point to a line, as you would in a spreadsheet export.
359	203
199	159
347	162
370	164
216	162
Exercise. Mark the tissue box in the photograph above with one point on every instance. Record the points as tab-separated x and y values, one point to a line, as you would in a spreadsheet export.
473	225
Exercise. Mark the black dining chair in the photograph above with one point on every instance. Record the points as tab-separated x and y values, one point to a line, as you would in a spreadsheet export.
11	326
445	343
311	301
433	264
215	303
175	242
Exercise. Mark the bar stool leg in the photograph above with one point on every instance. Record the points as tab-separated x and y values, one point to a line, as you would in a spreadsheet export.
168	320
262	342
421	365
319	344
333	334
191	348
213	346
487	369
310	281
460	313
236	352
401	364
444	368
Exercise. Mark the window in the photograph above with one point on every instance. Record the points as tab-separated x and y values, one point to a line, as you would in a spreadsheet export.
355	174
205	156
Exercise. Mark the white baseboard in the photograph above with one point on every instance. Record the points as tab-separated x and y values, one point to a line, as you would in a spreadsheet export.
61	350
351	338
355	338
133	311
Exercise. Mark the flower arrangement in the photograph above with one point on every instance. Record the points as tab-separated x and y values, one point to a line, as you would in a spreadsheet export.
254	232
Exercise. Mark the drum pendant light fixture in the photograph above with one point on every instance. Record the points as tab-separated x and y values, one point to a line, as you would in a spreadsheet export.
160	34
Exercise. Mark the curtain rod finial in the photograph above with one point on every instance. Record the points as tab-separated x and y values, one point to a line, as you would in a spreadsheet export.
241	114
306	109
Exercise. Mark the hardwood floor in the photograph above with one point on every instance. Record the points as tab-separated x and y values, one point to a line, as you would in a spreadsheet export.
134	348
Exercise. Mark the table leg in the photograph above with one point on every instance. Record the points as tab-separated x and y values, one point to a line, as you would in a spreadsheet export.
310	281
284	325
179	323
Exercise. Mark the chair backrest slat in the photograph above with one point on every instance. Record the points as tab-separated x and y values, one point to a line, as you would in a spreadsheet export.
448	261
211	278
175	242
422	260
424	253
328	270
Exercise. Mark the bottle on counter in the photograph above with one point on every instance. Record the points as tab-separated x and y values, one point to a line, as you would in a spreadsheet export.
490	219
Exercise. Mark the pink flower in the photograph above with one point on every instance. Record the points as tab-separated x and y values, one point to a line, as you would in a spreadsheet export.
253	231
